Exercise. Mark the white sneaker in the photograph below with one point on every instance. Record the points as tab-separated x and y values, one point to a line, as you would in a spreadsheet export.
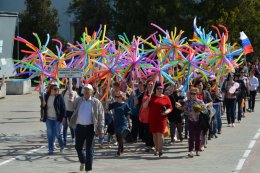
233	124
73	142
190	154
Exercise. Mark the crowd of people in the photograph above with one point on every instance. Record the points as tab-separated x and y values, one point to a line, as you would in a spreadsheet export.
146	112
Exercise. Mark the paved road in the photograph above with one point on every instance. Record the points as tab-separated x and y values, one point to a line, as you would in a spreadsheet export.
23	147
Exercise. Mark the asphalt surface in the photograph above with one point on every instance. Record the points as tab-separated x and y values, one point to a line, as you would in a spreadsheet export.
23	147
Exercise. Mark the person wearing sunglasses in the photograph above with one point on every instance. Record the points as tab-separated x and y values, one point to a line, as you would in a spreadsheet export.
54	115
159	108
121	117
193	120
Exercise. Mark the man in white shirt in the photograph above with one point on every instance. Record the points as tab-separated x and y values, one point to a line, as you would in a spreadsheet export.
252	86
88	119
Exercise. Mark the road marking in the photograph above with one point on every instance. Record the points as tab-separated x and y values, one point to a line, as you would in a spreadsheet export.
256	136
252	143
247	152
14	158
7	161
240	164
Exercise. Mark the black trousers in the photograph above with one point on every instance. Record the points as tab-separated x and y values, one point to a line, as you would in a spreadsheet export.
148	136
85	133
135	127
251	100
120	142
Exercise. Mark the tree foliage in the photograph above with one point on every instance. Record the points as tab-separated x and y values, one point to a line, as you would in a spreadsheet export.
236	15
90	14
38	18
134	16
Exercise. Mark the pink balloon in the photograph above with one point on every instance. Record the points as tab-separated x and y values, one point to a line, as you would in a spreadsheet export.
236	85
232	90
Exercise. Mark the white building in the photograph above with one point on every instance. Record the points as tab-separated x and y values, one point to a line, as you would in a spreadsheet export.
66	22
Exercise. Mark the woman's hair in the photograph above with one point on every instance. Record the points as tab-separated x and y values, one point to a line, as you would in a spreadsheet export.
116	84
230	75
197	82
50	88
158	84
194	89
123	95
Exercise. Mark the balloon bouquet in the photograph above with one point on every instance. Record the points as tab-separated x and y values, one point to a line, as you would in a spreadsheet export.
164	56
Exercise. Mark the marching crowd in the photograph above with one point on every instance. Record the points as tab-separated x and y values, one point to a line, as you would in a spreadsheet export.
148	112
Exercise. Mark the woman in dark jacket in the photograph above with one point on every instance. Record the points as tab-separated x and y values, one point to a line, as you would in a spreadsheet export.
175	117
54	114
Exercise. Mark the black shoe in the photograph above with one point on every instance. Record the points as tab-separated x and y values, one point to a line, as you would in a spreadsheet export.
253	110
50	153
118	153
147	150
160	154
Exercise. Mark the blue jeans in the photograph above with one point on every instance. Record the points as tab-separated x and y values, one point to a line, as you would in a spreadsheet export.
217	121
65	127
85	133
101	139
231	110
53	129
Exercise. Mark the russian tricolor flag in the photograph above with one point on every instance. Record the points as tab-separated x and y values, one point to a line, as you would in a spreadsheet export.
246	44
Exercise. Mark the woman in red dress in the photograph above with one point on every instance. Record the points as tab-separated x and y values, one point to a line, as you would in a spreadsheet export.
159	107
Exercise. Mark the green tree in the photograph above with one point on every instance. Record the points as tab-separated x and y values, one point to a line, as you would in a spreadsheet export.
236	15
134	17
90	14
38	18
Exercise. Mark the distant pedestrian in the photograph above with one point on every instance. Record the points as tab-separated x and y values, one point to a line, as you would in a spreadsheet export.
253	85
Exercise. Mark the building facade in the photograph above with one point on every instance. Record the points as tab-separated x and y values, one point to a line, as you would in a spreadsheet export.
66	29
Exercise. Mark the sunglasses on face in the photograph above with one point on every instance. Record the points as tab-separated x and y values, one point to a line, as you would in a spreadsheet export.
55	89
192	93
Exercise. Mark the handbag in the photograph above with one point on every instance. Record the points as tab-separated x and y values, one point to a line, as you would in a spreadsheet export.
43	119
211	111
166	132
204	121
